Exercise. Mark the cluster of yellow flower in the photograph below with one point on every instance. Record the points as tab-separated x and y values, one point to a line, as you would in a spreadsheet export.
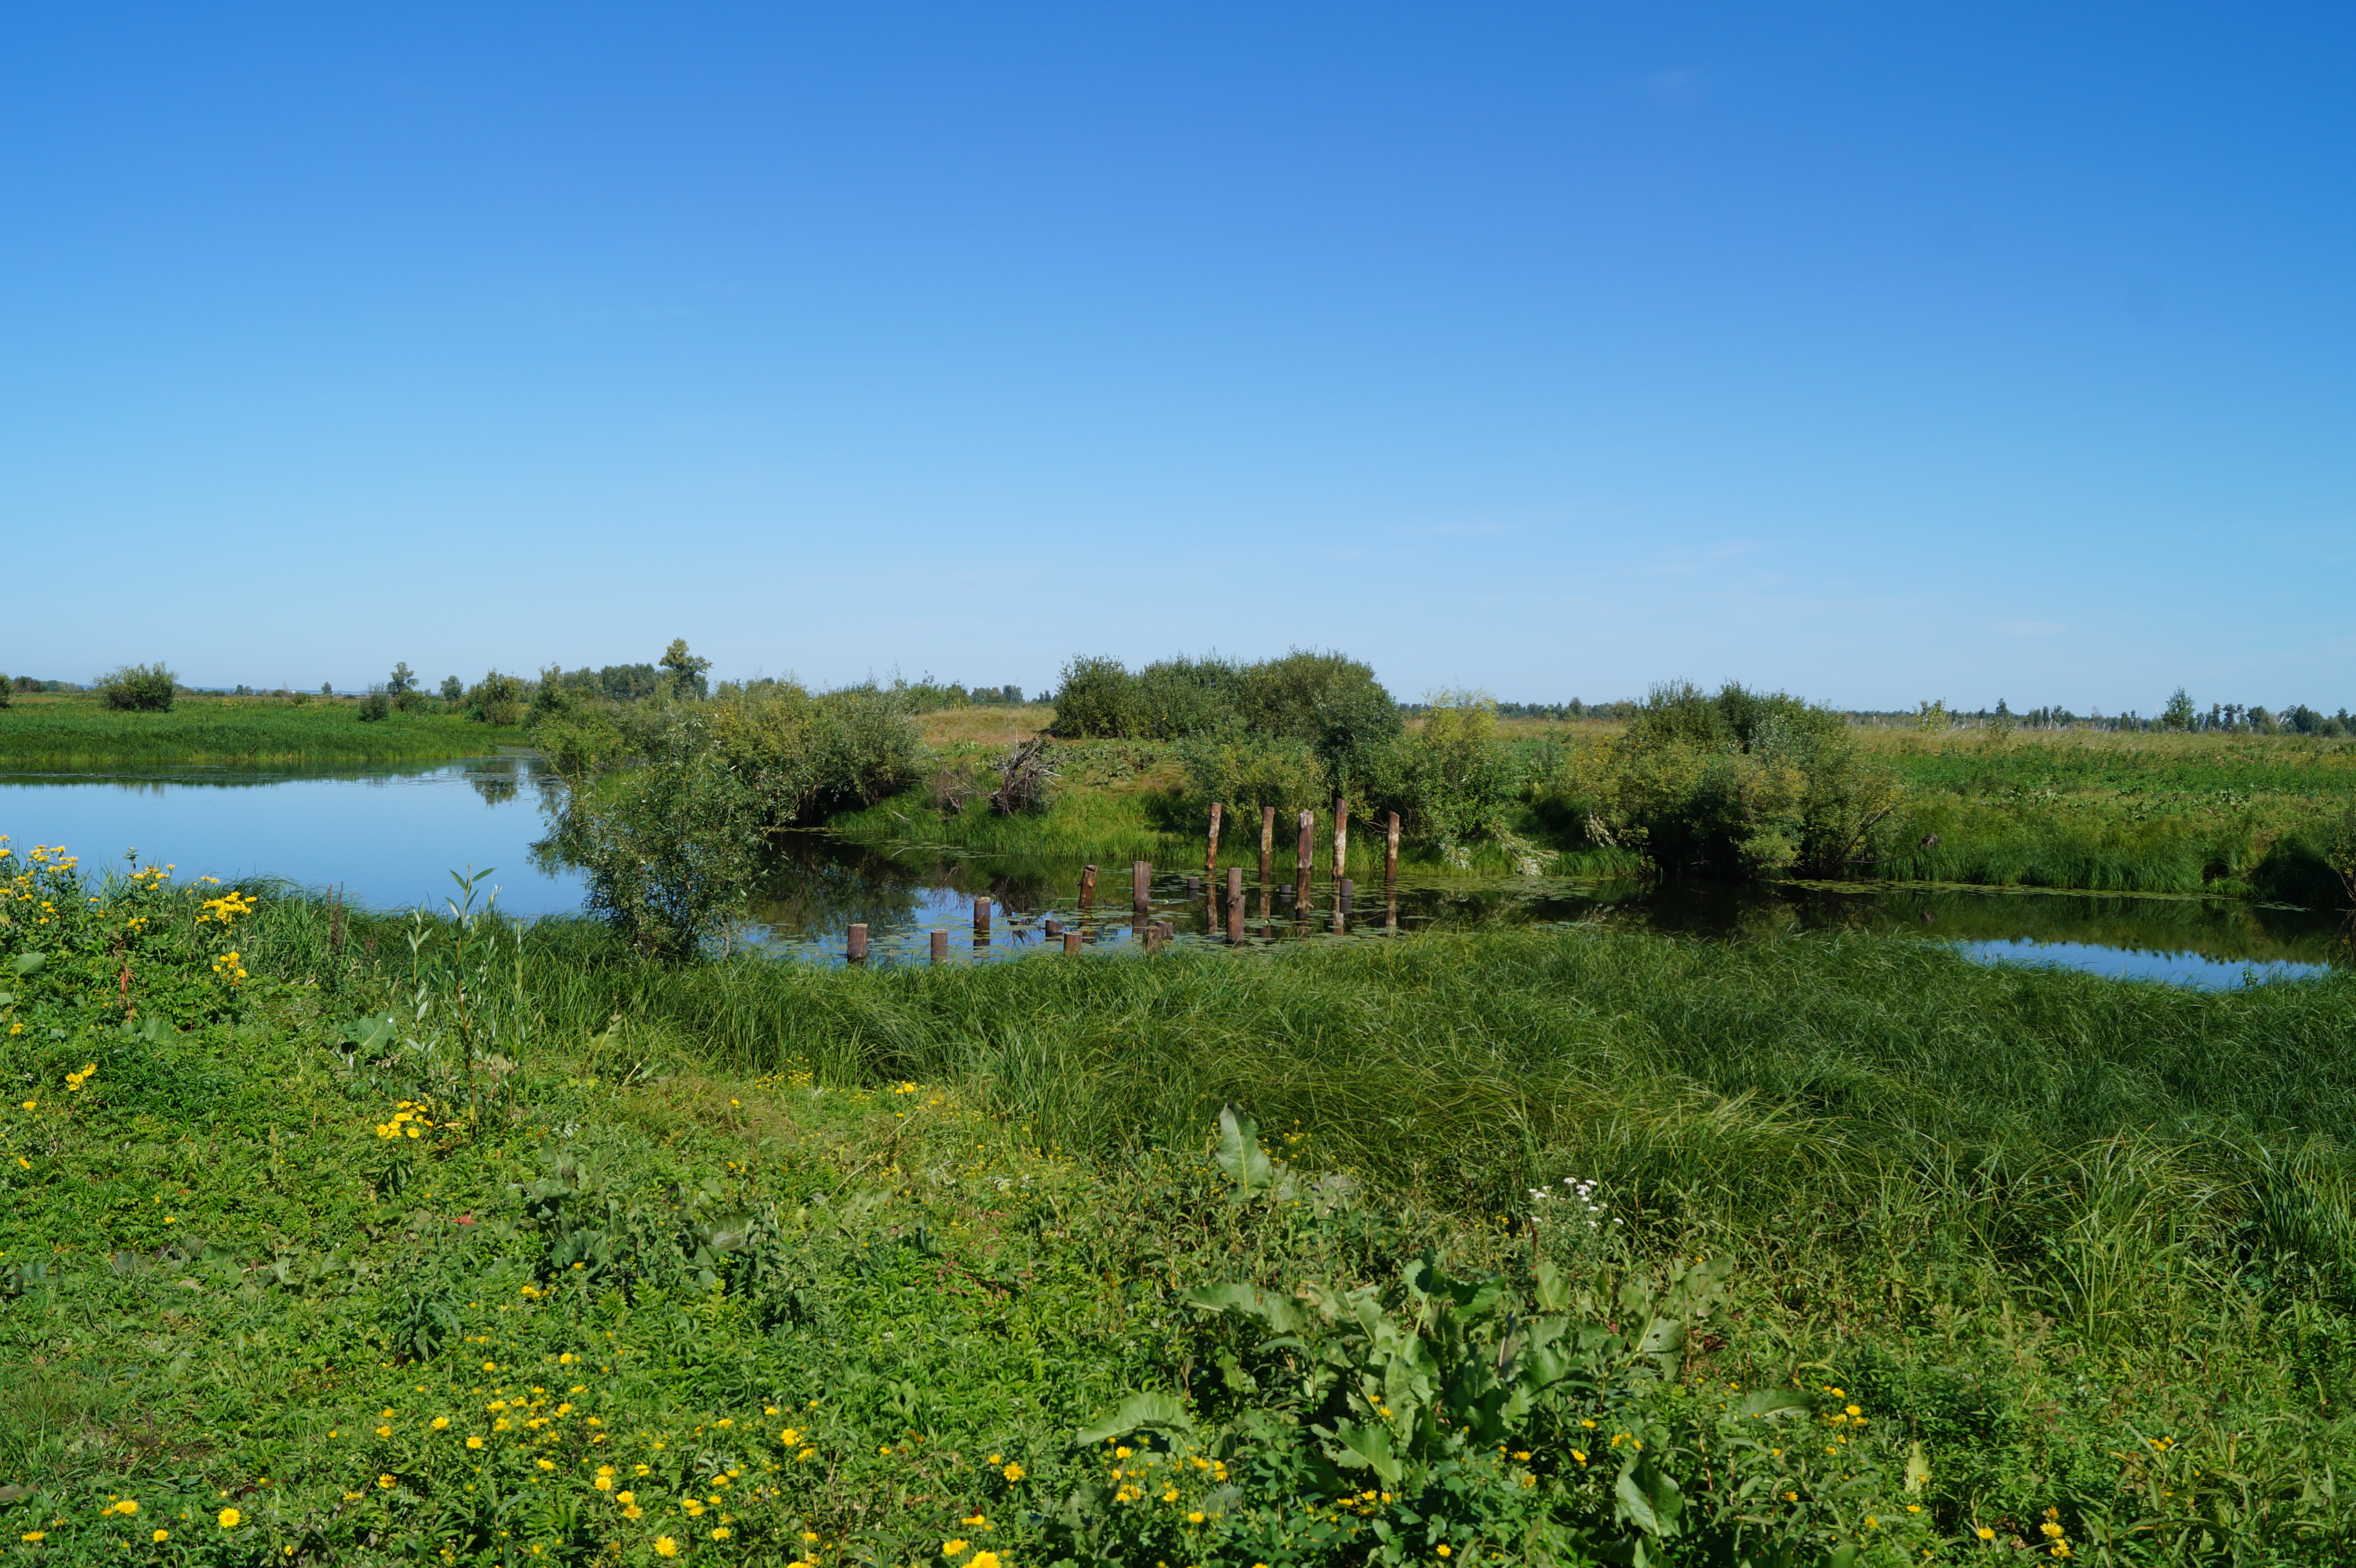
76	1080
230	966
407	1117
226	909
958	1548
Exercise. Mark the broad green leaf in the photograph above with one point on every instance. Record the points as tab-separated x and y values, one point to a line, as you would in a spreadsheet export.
1239	1154
1765	1401
1139	1410
1281	1315
1918	1469
31	963
1662	1336
1367	1447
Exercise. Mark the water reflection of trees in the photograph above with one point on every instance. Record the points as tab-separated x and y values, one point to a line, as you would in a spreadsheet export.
816	886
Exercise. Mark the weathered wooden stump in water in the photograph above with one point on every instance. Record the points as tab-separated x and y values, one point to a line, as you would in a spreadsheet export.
1071	942
1194	888
855	949
940	946
1211	856
1054	927
1390	849
1140	882
1088	886
981	917
1267	838
1307	854
1340	836
1235	884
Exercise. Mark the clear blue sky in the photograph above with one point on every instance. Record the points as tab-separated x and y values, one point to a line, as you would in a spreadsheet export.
1879	353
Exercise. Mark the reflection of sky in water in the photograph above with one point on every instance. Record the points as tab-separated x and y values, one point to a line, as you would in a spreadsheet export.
2126	963
389	840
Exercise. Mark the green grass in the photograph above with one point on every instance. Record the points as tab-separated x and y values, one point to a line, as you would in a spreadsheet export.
49	733
2089	1244
2235	816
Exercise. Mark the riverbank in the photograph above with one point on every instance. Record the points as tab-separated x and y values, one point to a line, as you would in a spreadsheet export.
873	1248
44	733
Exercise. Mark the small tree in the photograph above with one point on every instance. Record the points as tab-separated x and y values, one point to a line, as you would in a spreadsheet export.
2178	713
400	682
7	692
452	688
139	688
496	700
326	689
686	670
1931	716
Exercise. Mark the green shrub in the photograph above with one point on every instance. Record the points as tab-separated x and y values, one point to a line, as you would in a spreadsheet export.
375	706
8	691
1095	697
139	688
669	848
1738	784
1247	771
1451	781
497	698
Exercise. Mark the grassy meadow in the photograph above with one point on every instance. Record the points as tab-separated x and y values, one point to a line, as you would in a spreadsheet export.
50	732
330	1237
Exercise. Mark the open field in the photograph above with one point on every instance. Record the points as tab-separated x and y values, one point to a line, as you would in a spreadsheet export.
47	732
858	1255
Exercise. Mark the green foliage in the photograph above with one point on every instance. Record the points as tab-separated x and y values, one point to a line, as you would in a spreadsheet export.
2339	851
670	803
2179	713
452	688
669	846
1095	697
497	698
1451	781
684	670
8	691
1738	784
1247	770
375	707
138	689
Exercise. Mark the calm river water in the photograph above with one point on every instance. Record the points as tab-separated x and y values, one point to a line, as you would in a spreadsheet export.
389	837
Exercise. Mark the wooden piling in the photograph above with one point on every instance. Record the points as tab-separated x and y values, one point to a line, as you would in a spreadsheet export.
1071	942
1307	854
1153	936
1193	889
1235	885
1140	882
1390	847
1267	838
1340	836
1236	905
1088	886
1211	856
940	946
855	949
981	917
1344	894
1054	927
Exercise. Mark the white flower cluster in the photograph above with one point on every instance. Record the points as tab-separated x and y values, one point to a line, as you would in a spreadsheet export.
1582	1193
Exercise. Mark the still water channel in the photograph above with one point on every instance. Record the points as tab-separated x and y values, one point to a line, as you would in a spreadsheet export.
389	838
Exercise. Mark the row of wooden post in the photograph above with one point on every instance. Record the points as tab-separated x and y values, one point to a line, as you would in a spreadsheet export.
1140	880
